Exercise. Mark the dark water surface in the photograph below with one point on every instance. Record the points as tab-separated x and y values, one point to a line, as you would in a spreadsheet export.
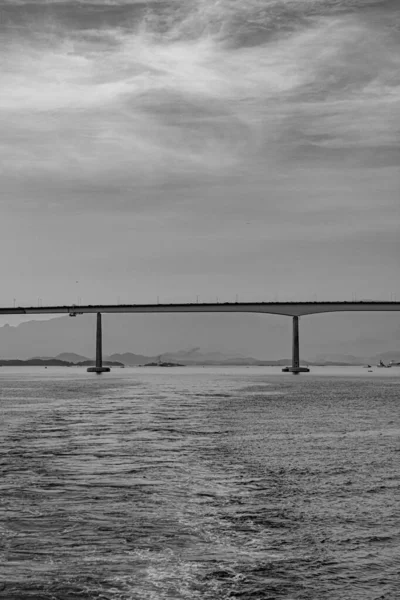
199	483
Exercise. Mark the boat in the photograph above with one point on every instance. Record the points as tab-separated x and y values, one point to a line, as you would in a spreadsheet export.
383	366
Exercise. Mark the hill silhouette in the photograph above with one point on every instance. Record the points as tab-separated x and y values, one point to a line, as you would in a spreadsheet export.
262	337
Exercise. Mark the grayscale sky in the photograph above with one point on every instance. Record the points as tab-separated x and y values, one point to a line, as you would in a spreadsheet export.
199	147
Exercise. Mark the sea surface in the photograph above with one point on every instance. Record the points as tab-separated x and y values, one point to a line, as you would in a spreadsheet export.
209	483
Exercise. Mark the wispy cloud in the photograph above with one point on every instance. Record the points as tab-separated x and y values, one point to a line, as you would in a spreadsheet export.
282	112
198	103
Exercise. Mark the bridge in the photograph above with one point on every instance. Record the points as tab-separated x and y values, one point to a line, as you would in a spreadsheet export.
291	309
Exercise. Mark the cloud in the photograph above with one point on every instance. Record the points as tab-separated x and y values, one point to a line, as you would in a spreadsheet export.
199	129
140	102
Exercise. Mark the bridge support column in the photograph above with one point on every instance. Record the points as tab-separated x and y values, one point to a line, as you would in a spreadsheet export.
296	368
99	352
295	344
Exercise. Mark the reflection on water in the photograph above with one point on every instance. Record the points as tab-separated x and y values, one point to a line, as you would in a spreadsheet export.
199	483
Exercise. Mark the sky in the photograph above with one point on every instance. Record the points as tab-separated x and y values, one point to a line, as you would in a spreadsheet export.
215	148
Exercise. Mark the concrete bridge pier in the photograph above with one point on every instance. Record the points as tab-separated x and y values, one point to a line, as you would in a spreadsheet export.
99	352
296	368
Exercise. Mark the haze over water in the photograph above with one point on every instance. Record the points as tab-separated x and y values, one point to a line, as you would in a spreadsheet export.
199	483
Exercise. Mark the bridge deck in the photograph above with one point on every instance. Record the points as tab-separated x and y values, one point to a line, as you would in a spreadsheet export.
278	308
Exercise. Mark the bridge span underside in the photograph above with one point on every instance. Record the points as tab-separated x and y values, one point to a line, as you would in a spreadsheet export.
291	309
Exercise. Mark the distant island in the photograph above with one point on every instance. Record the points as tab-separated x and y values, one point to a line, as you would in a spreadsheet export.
92	363
53	362
162	364
36	362
194	357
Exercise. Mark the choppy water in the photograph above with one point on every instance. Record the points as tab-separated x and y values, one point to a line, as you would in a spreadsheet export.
199	483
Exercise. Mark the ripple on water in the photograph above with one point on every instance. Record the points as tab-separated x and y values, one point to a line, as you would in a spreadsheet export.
253	488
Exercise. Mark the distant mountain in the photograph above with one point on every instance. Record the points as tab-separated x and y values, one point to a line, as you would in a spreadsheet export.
71	357
184	357
195	356
200	359
224	338
192	357
346	359
130	360
342	359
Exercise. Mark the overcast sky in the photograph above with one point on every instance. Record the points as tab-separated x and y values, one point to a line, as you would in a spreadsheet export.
203	147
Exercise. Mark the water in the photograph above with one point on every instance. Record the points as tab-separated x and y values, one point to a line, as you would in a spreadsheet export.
199	483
